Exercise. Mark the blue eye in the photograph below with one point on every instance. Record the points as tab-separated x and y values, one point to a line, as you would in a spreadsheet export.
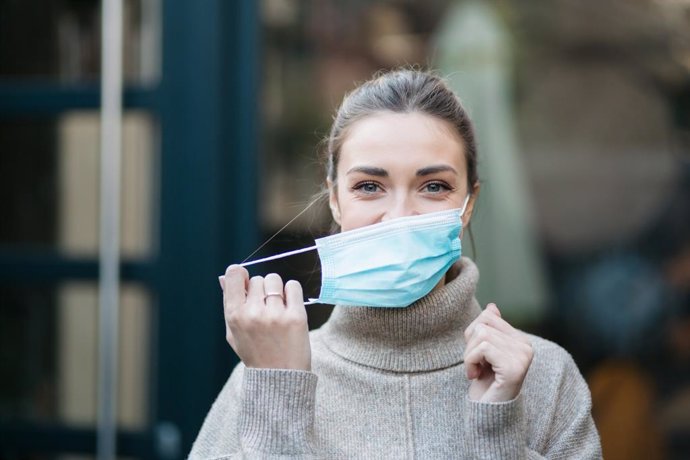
367	187
435	187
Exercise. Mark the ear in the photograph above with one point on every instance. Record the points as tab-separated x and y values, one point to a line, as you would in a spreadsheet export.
470	206
333	201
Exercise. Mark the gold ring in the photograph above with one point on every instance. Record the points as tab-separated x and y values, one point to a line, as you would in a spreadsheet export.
269	294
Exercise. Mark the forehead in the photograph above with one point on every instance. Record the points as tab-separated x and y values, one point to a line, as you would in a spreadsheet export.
400	139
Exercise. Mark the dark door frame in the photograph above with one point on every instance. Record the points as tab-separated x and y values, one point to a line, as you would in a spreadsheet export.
206	105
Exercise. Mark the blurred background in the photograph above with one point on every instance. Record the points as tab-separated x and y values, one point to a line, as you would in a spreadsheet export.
582	231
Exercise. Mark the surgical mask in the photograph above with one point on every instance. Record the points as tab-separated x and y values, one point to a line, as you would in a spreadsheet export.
388	264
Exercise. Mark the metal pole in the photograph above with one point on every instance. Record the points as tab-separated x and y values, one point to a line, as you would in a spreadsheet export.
109	274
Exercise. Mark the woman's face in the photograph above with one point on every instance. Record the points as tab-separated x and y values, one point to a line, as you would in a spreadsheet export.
394	165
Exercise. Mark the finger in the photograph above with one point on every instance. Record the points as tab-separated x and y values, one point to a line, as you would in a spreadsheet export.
491	317
294	298
498	323
256	293
474	364
483	353
221	280
479	319
273	289
494	309
470	331
474	370
479	335
482	334
509	356
236	279
499	339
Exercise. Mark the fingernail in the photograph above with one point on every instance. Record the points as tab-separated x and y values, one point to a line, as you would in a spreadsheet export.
221	278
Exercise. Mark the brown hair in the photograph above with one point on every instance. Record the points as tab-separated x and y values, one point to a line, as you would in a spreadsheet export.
403	91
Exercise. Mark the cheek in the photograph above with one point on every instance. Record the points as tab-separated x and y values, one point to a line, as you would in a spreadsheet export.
354	215
352	223
357	213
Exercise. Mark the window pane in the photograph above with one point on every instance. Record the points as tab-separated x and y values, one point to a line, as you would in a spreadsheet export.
61	40
57	327
49	176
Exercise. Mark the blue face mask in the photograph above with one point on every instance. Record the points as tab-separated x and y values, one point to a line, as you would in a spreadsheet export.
388	264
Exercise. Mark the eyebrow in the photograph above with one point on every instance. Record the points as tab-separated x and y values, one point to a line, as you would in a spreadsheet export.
369	170
380	172
435	169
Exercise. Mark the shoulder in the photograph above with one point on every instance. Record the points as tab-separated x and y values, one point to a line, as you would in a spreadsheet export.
553	373
557	402
551	358
551	361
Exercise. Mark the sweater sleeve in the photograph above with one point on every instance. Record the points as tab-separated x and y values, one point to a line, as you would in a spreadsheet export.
551	418
260	414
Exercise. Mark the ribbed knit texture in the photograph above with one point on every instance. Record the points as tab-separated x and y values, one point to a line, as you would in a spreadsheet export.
289	434
492	427
390	383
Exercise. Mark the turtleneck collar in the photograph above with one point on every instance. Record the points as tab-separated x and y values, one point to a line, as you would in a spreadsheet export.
425	336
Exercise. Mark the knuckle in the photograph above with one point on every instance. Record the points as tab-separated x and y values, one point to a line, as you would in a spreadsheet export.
272	321
248	320
253	316
232	317
295	320
249	326
483	346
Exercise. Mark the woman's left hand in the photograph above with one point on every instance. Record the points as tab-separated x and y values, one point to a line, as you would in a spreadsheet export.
497	357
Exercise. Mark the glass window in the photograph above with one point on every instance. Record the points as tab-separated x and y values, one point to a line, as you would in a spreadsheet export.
49	351
68	47
49	178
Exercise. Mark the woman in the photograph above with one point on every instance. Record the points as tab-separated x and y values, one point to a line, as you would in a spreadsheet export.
438	378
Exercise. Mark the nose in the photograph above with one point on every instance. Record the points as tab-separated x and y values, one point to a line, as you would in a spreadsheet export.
401	207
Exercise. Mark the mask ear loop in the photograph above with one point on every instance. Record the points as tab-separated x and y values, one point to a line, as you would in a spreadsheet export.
278	256
464	206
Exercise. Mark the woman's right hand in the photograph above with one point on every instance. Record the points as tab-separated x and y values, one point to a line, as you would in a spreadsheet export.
265	331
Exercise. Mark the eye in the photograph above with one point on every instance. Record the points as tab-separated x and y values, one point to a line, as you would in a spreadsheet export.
367	187
436	187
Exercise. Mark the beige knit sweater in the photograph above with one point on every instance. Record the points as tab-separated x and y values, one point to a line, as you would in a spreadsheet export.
391	383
